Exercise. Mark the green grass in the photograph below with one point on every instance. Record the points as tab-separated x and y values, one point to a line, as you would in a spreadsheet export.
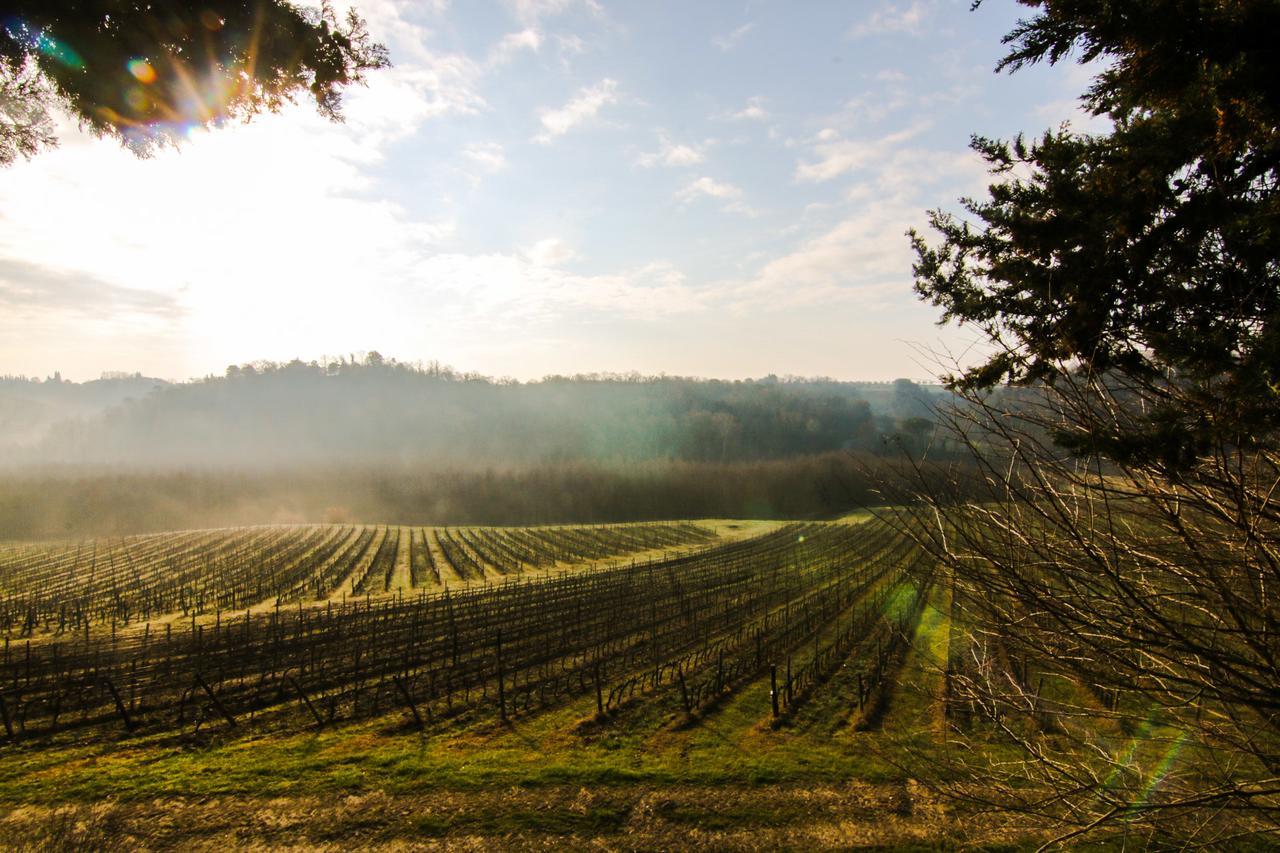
731	745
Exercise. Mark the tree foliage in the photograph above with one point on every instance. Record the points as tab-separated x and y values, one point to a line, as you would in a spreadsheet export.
1114	585
1151	252
144	72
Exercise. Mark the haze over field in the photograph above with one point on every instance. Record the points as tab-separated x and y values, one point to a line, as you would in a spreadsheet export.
539	187
378	440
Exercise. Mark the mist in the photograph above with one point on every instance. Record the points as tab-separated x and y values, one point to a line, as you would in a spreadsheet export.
377	441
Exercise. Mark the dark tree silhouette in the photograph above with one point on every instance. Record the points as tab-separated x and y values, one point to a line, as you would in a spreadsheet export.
145	71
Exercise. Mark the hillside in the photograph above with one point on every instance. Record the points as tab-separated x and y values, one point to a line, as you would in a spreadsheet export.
29	408
378	411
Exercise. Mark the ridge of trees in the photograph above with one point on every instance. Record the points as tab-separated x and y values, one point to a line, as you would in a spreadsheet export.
377	409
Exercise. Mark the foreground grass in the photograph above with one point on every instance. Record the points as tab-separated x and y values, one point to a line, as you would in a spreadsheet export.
645	744
646	779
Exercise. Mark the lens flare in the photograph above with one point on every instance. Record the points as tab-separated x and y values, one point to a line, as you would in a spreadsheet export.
58	50
1139	738
1162	769
142	70
137	99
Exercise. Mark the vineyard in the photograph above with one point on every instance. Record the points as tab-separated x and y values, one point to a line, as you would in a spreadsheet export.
69	586
801	651
794	604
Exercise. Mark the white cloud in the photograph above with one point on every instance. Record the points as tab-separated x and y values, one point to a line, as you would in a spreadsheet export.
502	292
424	83
753	111
198	272
837	156
512	44
398	100
910	175
489	157
710	187
706	187
583	106
672	154
392	23
295	237
730	40
551	252
1072	112
35	292
863	260
682	155
186	236
875	107
891	18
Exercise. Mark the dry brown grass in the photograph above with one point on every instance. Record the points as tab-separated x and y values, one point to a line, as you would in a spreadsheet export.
824	817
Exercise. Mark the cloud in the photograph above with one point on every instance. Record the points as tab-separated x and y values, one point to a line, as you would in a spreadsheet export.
706	187
891	18
753	111
28	289
509	292
175	265
1072	112
710	187
672	154
859	254
180	256
512	44
398	100
392	23
551	252
730	40
583	106
875	107
862	260
920	176
489	157
838	156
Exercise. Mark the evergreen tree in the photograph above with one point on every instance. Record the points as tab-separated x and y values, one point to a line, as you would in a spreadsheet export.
1149	255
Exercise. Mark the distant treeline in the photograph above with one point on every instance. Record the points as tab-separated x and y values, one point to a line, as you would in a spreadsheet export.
73	503
375	411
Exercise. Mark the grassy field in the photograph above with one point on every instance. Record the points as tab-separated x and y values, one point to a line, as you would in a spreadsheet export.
851	760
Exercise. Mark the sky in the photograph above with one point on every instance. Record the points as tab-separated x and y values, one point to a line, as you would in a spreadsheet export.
716	189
